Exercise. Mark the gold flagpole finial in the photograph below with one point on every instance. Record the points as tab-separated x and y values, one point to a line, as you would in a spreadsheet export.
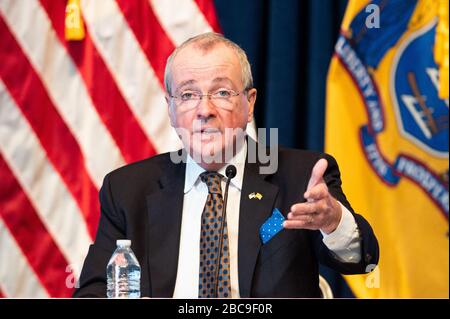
74	27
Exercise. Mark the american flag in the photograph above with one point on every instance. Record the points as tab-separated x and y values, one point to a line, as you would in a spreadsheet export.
70	112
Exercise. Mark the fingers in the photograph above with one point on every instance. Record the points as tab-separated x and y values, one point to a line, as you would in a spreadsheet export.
303	208
309	215
306	218
317	173
313	213
305	221
298	224
309	208
317	192
324	214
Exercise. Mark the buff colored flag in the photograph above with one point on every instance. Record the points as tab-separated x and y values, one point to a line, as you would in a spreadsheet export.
387	124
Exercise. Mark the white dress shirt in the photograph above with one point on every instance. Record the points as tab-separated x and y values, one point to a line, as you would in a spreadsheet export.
344	241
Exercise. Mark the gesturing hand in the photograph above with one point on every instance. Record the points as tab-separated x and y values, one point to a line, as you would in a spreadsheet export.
321	210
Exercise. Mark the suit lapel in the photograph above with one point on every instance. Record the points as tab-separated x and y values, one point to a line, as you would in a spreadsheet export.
165	211
165	207
253	213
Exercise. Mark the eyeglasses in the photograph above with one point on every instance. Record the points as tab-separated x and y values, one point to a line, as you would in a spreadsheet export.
189	100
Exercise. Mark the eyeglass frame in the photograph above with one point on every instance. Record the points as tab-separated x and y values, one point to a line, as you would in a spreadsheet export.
210	96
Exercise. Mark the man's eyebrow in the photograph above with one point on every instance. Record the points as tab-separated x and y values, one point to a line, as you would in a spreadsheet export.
222	79
215	80
187	82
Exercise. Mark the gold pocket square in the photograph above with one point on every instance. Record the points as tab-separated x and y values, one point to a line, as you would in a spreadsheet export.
255	195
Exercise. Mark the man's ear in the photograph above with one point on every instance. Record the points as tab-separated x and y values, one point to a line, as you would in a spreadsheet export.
251	98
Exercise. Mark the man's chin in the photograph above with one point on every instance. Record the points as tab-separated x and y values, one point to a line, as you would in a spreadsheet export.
208	152
207	138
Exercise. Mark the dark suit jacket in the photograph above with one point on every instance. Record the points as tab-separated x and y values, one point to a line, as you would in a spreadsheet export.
143	202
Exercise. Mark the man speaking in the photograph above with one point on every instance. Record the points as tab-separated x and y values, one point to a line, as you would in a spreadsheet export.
209	220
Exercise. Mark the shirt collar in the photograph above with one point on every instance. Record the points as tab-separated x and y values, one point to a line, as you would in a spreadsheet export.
193	170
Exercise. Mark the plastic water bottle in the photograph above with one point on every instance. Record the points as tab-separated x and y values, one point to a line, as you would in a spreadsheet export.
123	273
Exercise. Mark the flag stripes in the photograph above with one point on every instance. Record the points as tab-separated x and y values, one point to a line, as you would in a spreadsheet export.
48	195
20	280
172	20
43	255
135	77
70	112
149	33
206	7
98	80
63	84
31	97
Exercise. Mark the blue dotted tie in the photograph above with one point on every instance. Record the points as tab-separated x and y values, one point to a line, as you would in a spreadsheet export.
209	243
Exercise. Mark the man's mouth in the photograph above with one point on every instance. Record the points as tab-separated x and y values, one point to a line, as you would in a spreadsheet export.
209	130
208	134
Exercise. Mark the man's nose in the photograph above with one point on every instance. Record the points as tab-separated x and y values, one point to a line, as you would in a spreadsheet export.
205	108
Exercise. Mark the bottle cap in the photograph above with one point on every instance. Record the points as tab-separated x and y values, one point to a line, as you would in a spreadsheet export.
123	242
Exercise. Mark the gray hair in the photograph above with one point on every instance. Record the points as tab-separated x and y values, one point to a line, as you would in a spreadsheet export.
205	42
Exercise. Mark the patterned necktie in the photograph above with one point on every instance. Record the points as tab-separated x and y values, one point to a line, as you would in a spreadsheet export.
210	241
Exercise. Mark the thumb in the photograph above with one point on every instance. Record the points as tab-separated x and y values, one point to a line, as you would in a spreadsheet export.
317	173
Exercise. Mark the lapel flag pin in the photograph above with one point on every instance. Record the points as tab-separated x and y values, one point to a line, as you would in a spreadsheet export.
255	195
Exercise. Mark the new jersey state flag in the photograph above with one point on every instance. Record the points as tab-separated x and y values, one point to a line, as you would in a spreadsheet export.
387	124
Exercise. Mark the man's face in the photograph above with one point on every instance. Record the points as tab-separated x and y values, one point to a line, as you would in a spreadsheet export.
204	126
